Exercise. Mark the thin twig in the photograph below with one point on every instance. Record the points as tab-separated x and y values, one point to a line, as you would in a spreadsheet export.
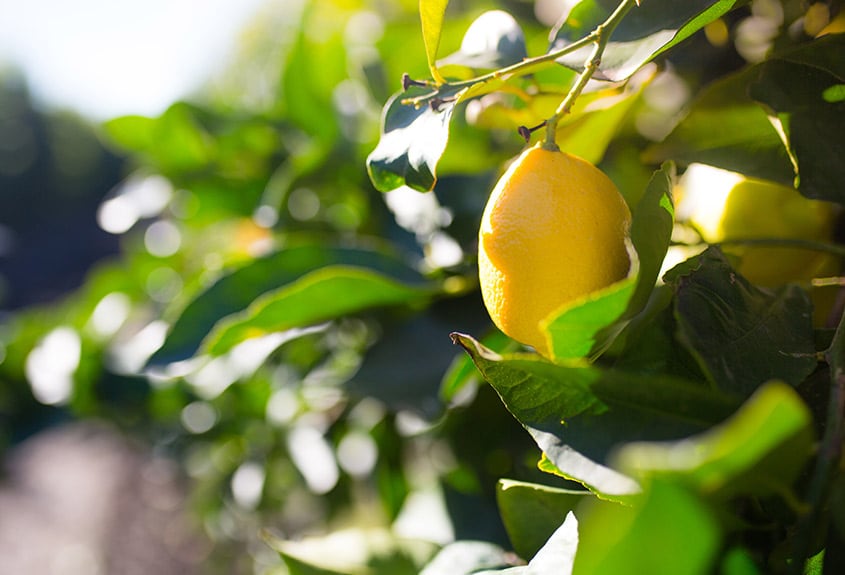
601	36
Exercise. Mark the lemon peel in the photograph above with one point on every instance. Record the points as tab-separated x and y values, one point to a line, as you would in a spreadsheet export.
553	231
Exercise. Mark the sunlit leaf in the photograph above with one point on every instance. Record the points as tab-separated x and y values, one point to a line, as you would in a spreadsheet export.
666	530
771	121
761	449
557	556
318	296
532	512
413	137
312	70
353	551
234	291
578	413
493	40
726	129
466	558
792	86
742	335
174	143
737	561
132	133
432	13
646	31
651	231
580	331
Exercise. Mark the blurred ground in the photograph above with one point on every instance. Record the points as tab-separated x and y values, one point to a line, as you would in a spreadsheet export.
80	499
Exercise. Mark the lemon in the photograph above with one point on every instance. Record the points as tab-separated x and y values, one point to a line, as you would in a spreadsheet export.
727	207
553	231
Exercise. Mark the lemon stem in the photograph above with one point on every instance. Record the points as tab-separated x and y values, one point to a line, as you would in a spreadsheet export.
599	38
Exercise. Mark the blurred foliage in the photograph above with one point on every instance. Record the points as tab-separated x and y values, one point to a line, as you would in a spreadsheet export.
255	308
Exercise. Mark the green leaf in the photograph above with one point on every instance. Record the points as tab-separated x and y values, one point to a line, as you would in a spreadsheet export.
493	40
725	128
432	13
651	232
646	31
557	556
737	561
649	343
554	558
792	86
313	68
578	413
413	138
234	291
759	450
589	326
466	558
353	551
174	143
318	296
532	512
741	335
666	530
581	330
132	133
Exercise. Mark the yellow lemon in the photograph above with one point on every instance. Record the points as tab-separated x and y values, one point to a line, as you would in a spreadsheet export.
727	207
553	231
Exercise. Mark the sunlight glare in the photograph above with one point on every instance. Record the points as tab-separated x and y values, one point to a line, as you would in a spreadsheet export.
136	198
248	484
314	458
110	314
51	364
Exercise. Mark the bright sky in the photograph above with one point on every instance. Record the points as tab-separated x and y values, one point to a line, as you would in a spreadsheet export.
106	58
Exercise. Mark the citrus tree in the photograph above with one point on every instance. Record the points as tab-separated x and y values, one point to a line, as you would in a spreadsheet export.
570	303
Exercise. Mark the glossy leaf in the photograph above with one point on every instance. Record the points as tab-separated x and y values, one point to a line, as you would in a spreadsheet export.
462	371
556	557
493	40
354	551
466	558
582	330
531	512
413	137
725	128
666	530
318	296
578	413
432	13
792	87
651	232
771	121
646	31
741	335
234	291
759	450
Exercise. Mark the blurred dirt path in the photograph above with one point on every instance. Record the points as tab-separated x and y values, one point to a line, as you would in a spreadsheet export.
80	500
